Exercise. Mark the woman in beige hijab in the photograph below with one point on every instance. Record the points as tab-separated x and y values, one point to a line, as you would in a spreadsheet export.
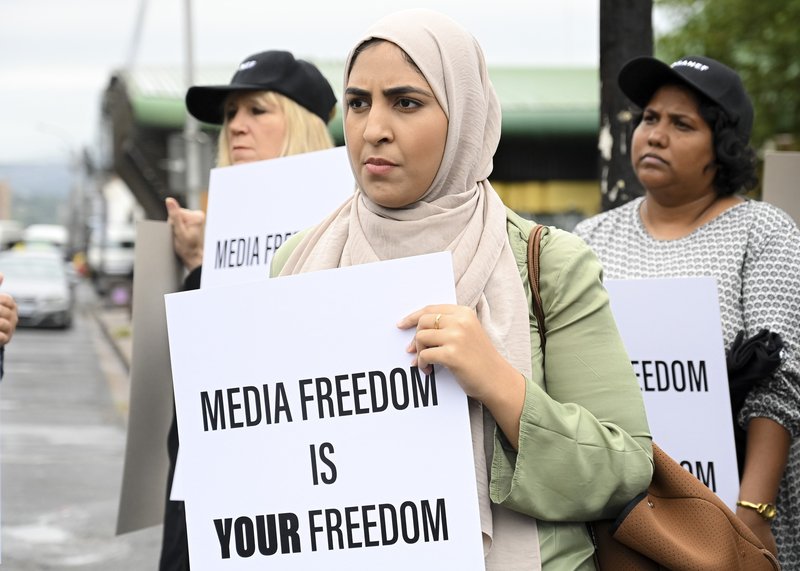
553	446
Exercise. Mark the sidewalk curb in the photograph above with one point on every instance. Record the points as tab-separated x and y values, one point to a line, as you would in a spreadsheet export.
112	340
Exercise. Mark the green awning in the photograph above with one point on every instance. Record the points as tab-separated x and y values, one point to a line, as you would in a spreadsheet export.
535	101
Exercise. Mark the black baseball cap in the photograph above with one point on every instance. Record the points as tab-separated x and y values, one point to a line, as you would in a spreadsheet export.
641	77
273	70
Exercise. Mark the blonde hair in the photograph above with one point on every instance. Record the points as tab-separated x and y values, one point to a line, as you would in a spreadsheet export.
305	131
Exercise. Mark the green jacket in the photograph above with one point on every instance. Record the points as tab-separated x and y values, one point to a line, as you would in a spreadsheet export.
584	443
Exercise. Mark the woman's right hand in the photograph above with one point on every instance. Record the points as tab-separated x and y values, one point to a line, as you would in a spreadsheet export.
452	336
188	232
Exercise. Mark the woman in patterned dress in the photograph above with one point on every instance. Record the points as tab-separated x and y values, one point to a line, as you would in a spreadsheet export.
691	153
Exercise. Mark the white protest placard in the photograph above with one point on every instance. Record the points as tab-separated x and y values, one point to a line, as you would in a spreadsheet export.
254	207
671	329
308	441
781	173
156	271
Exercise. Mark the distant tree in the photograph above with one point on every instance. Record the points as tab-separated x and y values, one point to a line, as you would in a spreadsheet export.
759	39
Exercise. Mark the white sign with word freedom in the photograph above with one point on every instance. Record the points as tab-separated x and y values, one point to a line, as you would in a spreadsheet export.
308	439
672	331
254	207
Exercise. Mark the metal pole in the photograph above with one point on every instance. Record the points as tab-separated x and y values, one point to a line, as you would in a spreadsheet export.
191	126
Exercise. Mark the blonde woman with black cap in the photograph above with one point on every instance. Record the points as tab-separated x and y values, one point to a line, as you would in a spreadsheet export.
691	153
274	106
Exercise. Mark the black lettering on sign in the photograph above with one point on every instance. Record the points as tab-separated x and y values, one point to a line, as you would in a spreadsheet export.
704	471
237	252
355	527
265	533
362	393
325	449
679	376
248	406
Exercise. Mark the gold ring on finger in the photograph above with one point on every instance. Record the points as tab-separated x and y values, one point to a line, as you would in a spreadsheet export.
436	321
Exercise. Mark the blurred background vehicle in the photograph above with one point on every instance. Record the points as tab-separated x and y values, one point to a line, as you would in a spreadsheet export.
111	254
55	235
109	258
10	233
42	285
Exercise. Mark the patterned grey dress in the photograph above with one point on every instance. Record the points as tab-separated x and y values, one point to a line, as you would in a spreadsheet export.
753	251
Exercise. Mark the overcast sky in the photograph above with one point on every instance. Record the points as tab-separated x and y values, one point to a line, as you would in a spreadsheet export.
56	56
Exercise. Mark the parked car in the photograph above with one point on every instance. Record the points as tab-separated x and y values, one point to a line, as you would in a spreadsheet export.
41	285
54	235
112	255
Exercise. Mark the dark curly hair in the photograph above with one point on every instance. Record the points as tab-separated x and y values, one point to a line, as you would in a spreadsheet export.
735	158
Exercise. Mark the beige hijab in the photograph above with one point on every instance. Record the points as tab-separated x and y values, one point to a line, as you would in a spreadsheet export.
461	213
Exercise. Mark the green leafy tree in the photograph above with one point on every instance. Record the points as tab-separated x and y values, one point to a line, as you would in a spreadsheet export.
760	39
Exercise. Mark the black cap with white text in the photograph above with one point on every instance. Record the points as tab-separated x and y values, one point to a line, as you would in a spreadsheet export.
273	70
641	77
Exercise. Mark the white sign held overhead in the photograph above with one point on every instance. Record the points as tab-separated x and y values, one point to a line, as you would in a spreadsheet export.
671	329
254	207
308	439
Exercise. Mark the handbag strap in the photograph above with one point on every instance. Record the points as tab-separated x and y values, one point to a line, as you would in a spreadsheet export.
534	242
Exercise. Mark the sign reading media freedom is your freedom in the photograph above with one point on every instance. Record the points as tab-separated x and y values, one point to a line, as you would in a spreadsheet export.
308	439
671	330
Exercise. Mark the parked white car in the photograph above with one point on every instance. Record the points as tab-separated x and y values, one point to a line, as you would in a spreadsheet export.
112	255
52	234
40	284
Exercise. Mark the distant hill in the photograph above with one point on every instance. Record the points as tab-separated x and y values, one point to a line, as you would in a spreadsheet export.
40	192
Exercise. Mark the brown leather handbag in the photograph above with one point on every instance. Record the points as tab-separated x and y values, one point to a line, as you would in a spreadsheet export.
678	524
681	525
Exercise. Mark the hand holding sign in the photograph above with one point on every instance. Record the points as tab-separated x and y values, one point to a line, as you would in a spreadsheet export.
188	228
452	336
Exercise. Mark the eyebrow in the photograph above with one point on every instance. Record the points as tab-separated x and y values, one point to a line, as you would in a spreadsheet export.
391	92
673	115
691	118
